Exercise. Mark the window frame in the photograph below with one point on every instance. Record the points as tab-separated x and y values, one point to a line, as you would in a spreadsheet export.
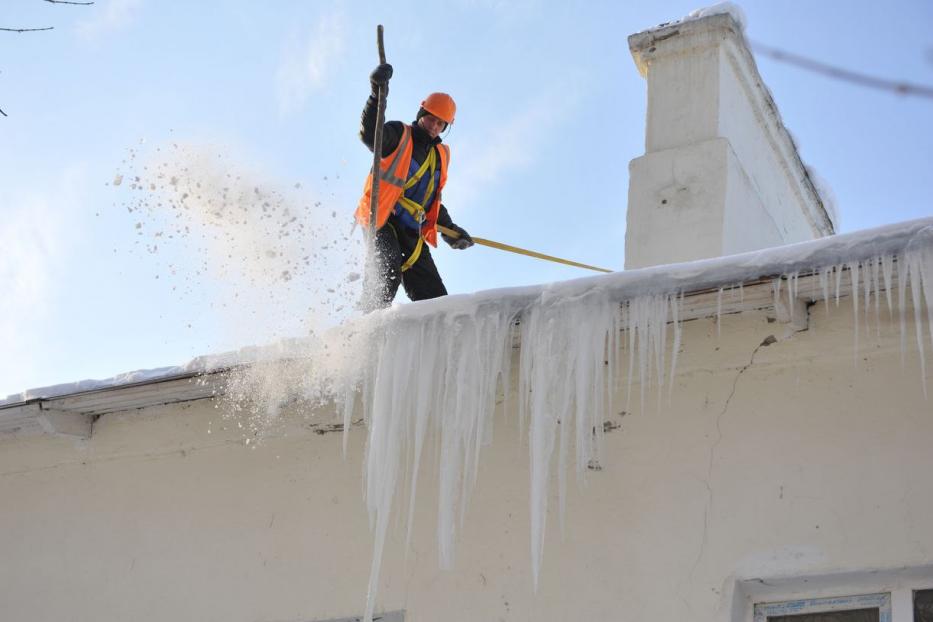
913	599
880	601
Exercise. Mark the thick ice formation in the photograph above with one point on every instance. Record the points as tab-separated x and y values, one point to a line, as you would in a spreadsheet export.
432	380
431	372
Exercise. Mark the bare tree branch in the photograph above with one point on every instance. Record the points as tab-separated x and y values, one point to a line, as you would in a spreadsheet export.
26	29
40	29
903	88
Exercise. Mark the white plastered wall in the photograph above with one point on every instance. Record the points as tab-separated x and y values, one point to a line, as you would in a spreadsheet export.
772	463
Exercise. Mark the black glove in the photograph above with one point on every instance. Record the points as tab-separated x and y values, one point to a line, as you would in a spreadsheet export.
380	75
464	241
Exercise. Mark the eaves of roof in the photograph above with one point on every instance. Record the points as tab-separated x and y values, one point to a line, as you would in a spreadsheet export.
723	285
73	414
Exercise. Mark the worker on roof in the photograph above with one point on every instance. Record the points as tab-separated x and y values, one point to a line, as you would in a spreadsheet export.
413	174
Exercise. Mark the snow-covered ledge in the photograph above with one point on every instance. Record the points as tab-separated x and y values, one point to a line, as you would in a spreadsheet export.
721	174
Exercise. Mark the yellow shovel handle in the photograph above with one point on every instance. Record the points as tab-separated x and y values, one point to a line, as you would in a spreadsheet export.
521	251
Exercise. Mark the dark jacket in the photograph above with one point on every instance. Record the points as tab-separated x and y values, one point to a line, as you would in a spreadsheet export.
422	143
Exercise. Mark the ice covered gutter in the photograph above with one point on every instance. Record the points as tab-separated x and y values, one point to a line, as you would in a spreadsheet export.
429	375
733	270
70	388
212	363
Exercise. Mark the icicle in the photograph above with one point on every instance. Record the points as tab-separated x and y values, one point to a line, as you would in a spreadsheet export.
452	365
630	338
563	354
614	349
866	268
660	331
676	305
637	326
838	269
919	260
776	289
791	293
887	269
854	276
902	305
875	284
426	360
913	266
824	287
926	273
647	326
382	465
719	313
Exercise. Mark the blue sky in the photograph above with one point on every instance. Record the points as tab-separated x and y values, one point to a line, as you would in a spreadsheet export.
550	111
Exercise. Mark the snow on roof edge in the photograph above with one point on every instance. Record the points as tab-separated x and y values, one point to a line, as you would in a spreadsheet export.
723	8
667	278
704	274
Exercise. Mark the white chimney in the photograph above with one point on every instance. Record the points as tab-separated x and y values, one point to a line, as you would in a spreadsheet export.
720	174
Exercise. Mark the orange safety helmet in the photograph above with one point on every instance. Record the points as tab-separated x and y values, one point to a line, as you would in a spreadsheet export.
441	105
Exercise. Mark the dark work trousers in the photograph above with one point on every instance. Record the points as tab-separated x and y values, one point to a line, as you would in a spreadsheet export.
394	245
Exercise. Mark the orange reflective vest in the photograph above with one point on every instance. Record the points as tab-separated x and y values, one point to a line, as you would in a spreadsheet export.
393	173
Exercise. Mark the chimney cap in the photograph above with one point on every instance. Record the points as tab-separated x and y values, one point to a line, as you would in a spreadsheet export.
689	32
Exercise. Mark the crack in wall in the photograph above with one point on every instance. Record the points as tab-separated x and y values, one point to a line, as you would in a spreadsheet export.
327	428
712	450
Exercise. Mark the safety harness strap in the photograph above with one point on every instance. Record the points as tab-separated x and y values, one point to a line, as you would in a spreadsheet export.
417	210
415	254
414	208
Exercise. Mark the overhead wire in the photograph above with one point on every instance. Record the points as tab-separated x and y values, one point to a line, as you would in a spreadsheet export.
899	87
